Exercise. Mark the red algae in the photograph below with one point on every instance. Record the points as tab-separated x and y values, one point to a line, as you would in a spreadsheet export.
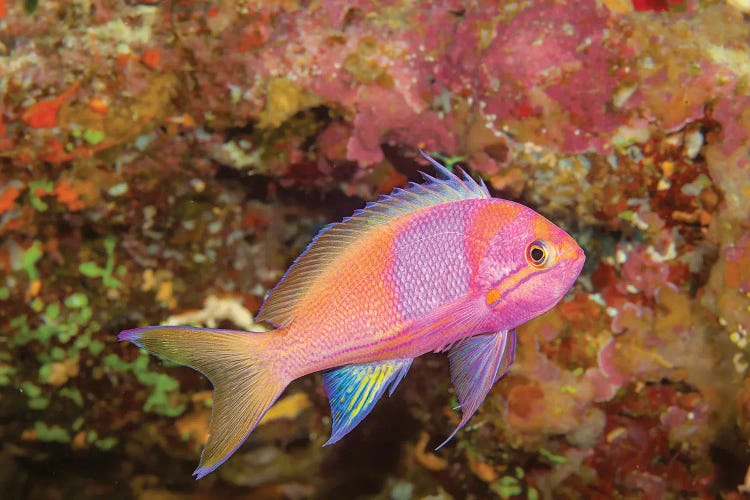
43	114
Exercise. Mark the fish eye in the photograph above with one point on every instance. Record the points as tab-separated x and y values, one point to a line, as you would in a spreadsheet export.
536	253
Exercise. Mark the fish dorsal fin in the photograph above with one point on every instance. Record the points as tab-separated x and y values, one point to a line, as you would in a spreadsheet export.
281	303
476	364
353	391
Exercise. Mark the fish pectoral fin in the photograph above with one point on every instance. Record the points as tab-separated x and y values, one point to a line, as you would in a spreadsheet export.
476	364
353	391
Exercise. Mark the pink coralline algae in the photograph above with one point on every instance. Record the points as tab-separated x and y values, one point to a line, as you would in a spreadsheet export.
379	110
541	63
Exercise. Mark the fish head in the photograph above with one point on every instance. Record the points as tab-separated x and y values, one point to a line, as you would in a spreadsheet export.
529	265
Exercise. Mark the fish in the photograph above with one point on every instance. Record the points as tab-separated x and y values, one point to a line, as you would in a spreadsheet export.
438	266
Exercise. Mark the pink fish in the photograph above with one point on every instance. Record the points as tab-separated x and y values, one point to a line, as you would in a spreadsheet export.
436	267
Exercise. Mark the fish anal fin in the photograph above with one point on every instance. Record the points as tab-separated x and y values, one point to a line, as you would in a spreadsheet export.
353	391
476	364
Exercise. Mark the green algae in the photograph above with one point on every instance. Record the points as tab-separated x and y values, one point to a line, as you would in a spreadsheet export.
45	372
96	347
107	443
24	333
509	486
63	324
73	394
90	269
104	444
555	459
93	270
6	372
52	312
30	389
76	300
159	401
114	362
37	401
163	387
40	403
93	137
57	353
30	258
53	433
91	436
626	215
448	161
65	330
37	188
506	487
37	305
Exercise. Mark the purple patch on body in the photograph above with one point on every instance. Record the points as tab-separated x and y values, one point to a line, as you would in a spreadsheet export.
431	267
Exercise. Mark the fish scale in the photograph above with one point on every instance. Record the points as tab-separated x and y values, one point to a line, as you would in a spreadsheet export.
431	265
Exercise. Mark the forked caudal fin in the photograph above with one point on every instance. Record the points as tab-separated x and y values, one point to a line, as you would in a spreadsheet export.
240	366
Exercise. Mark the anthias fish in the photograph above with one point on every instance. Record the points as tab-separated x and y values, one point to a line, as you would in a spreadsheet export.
436	267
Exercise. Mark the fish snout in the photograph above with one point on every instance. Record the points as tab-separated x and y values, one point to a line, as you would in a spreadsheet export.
572	258
571	252
580	256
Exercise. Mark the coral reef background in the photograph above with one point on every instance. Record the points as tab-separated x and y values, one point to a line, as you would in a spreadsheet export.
164	161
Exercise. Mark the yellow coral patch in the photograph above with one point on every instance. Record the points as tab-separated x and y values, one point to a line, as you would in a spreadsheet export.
284	100
289	408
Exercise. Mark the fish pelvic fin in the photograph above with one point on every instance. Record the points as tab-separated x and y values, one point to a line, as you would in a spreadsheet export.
242	369
476	364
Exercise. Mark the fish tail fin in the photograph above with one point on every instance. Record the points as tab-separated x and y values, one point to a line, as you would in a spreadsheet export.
242	369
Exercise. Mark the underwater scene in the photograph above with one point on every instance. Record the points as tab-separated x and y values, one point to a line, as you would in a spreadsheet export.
485	249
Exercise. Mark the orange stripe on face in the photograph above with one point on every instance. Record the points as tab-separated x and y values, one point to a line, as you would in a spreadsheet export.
509	283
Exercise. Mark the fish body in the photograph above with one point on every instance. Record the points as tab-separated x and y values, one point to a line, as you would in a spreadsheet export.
372	303
439	266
